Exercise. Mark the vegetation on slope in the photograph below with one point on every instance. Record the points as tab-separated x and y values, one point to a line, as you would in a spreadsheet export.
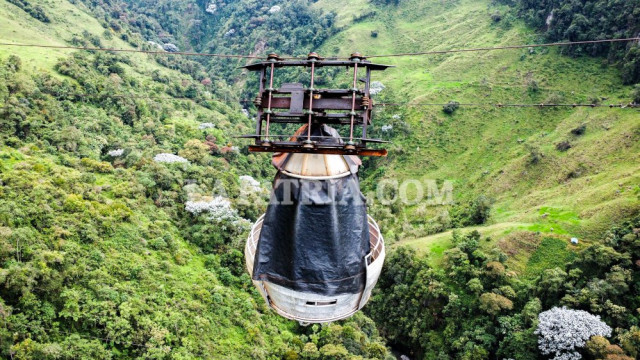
100	258
563	20
475	307
508	156
481	298
221	26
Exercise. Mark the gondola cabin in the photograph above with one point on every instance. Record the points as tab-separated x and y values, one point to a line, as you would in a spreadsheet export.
315	255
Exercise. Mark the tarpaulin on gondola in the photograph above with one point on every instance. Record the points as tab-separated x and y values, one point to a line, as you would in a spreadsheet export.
315	236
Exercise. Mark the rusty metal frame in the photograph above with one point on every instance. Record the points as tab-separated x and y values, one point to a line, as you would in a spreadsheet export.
296	105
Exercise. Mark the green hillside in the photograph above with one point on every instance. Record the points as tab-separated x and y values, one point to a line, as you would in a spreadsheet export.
101	153
488	151
99	258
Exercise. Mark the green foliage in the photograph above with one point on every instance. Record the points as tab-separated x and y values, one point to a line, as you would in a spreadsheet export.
494	304
635	95
231	27
35	11
451	107
475	212
588	20
474	307
551	252
386	2
98	257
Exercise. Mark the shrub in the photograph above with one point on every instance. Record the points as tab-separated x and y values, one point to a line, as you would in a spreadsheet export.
563	146
631	67
475	212
554	98
94	165
35	11
480	210
14	63
534	154
580	130
532	86
451	107
635	95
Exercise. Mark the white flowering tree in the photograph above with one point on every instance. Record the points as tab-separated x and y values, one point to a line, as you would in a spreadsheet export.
250	183
115	153
211	8
562	331
169	158
218	207
206	125
376	87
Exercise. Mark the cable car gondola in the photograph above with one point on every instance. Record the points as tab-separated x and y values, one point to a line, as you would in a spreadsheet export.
315	255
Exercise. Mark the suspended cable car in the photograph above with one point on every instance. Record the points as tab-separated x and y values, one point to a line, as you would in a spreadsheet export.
315	255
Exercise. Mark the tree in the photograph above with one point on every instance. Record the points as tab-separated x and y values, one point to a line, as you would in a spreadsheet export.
480	210
630	341
562	331
635	95
494	304
451	107
195	150
600	348
631	67
475	285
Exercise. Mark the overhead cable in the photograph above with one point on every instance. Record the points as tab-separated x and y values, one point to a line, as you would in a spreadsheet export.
507	47
237	56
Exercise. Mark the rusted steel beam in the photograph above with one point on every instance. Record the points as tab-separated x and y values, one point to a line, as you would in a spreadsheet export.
322	103
318	150
320	63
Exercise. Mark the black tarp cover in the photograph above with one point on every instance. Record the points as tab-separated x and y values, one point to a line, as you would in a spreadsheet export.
315	236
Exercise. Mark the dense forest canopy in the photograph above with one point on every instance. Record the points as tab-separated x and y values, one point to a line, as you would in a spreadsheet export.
100	256
573	20
502	309
226	27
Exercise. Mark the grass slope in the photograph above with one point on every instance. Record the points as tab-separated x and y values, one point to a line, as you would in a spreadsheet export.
579	192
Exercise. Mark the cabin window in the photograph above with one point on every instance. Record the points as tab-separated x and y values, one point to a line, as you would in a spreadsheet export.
322	303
